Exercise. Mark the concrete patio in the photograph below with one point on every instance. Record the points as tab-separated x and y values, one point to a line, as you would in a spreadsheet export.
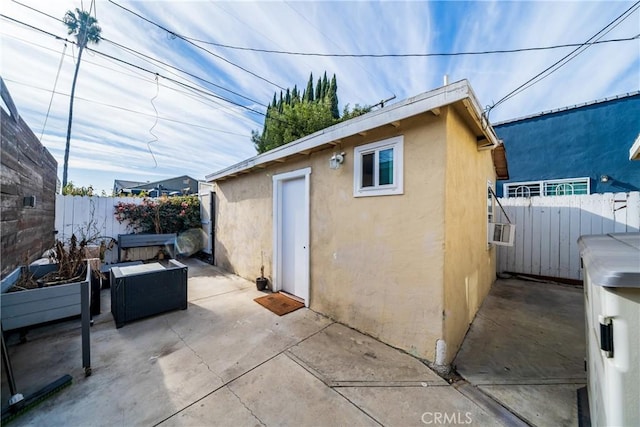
228	361
526	349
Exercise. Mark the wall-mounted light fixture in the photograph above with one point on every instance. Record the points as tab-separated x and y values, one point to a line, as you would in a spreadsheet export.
336	160
604	178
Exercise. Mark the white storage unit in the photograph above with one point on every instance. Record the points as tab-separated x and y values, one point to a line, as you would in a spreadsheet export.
611	265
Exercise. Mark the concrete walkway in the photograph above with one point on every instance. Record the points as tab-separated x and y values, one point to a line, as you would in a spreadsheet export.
228	361
526	350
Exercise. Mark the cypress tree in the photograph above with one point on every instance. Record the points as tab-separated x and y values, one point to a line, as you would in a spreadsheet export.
296	114
325	86
333	97
319	90
309	90
259	139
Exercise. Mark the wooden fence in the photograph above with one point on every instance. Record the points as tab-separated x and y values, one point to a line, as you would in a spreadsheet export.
28	186
90	216
548	228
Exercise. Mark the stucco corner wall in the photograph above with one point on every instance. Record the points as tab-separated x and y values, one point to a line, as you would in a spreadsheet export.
377	262
243	225
469	269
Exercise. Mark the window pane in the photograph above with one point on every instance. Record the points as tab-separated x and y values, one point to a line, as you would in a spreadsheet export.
386	166
367	170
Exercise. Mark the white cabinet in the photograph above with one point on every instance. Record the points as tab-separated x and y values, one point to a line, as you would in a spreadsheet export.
612	309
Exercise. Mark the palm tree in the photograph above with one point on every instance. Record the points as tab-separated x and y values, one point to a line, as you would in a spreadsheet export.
86	29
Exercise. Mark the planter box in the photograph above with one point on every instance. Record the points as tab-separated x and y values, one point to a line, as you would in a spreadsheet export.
145	290
35	306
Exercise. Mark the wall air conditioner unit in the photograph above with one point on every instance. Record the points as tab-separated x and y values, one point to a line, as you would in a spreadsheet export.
501	234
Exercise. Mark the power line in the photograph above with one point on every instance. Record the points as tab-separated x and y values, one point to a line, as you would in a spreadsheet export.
183	71
580	47
406	55
55	84
186	86
326	37
486	52
416	55
139	75
198	97
197	90
213	95
36	10
126	109
196	45
565	59
383	55
131	50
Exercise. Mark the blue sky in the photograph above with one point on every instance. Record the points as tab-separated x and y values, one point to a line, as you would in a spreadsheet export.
197	134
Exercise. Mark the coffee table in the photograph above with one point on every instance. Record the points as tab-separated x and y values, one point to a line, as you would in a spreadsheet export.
144	290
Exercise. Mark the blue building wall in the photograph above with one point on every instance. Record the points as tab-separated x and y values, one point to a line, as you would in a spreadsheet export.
587	141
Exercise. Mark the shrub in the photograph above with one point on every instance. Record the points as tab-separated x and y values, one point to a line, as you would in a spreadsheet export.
164	215
71	190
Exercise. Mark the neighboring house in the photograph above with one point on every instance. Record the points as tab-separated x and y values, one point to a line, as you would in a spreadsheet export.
379	222
28	191
120	185
581	149
180	185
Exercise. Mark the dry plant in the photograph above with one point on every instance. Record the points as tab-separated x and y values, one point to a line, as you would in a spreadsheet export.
26	280
71	262
72	266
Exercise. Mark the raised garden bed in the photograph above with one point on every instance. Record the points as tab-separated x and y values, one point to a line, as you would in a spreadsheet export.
32	307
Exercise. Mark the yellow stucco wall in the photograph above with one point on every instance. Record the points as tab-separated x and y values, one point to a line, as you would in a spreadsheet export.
243	221
469	261
243	233
377	264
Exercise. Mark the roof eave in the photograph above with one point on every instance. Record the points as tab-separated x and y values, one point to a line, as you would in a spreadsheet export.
445	95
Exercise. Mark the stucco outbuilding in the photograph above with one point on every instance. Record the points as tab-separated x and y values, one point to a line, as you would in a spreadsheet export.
393	240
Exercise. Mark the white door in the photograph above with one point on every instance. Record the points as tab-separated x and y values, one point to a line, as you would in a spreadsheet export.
291	233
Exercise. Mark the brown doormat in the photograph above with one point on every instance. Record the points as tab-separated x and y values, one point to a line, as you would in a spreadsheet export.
279	303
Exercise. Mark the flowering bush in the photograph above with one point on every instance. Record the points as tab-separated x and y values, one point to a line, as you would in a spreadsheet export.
164	215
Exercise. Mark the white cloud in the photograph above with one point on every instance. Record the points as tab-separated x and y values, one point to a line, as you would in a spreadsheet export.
113	113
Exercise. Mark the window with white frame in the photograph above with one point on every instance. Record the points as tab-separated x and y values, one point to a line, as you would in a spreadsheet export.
552	187
378	168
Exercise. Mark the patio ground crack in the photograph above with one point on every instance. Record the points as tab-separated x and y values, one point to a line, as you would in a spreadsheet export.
245	406
196	353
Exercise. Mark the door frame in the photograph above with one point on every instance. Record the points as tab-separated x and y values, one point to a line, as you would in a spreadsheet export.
278	180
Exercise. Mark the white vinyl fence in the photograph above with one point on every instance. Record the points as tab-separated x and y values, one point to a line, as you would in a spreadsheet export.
90	216
548	228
